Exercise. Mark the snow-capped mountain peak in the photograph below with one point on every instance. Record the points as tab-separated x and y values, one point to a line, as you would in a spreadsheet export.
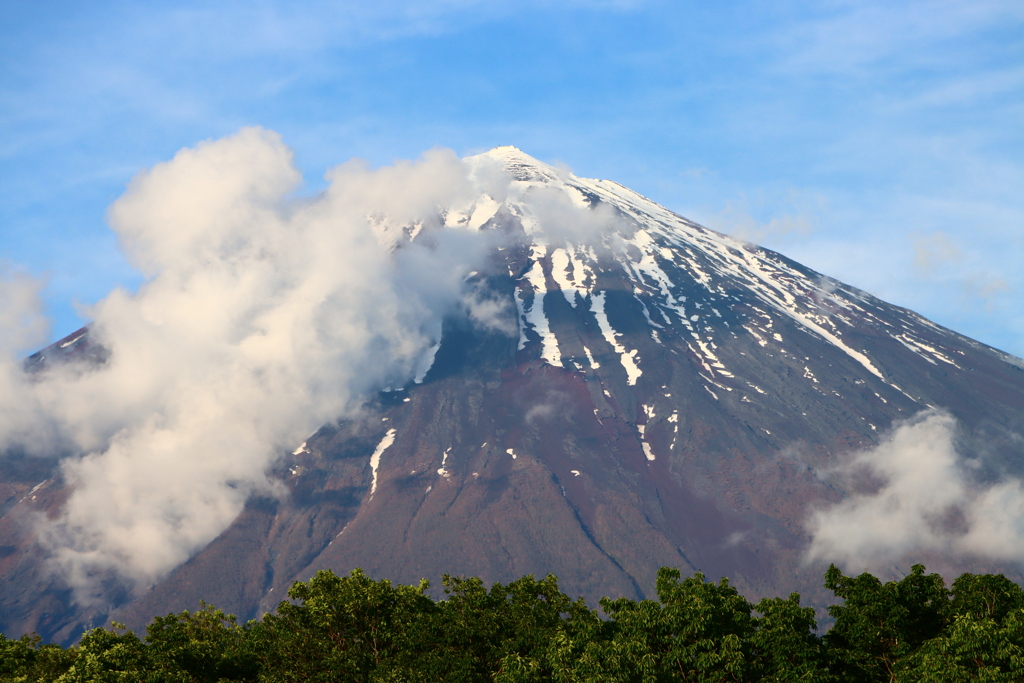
691	283
666	395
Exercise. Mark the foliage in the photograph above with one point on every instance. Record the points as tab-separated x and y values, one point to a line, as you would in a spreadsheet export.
338	628
878	624
110	656
353	628
26	659
983	642
784	644
201	647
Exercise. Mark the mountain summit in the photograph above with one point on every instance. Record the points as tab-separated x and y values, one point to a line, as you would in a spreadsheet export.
625	390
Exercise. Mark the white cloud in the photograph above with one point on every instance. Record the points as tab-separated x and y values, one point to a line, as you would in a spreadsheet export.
22	327
263	317
490	312
914	493
21	316
561	218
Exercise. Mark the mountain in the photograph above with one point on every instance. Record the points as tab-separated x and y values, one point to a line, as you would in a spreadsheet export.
668	395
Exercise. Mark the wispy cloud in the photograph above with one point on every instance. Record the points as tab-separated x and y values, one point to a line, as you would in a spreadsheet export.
784	219
22	327
934	250
860	39
21	316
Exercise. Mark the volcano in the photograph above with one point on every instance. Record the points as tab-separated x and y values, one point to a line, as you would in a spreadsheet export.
665	395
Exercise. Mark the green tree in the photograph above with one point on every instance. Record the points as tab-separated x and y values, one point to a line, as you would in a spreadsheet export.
879	624
200	647
479	634
696	631
339	628
984	642
986	596
27	659
109	656
710	626
785	647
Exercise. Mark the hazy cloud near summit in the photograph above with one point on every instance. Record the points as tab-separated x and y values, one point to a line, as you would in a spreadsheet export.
22	326
916	493
263	316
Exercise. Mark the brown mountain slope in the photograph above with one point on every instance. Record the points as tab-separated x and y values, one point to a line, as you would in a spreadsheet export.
671	397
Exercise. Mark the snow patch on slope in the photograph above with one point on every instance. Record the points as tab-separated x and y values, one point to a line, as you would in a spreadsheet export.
627	358
571	273
426	362
531	310
648	453
384	444
444	459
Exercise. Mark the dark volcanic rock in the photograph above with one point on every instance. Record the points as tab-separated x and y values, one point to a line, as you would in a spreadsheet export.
672	398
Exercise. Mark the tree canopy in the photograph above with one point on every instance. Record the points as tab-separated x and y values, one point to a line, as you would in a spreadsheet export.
355	628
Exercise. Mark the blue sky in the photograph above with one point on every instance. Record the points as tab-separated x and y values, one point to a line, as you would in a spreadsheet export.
878	142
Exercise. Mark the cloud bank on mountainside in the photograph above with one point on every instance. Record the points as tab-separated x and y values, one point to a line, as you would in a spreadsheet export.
262	317
915	493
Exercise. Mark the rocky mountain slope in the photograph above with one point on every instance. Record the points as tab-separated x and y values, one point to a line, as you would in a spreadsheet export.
653	393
